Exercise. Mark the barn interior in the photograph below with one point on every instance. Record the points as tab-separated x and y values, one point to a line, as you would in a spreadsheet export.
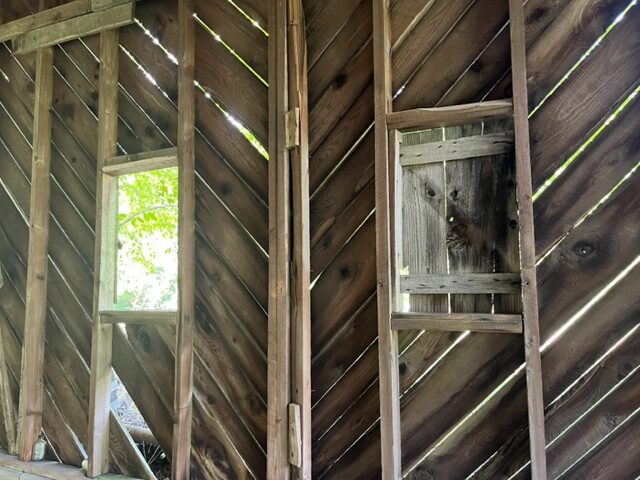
329	239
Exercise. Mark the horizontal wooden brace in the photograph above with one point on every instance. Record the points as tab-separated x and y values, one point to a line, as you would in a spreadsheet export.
469	283
103	4
11	30
458	149
73	28
457	322
138	317
141	162
425	118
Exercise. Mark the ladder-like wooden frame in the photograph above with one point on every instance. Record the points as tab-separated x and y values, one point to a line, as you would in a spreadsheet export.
387	124
109	167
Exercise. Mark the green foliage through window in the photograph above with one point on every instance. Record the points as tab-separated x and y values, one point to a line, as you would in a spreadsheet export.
148	240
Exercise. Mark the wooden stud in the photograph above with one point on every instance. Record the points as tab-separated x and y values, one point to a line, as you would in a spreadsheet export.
279	328
527	242
104	291
457	322
74	28
467	283
301	250
387	339
18	27
183	395
425	118
31	389
141	162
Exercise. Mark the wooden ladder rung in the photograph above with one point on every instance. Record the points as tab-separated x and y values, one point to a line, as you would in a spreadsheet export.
138	317
141	162
425	118
457	322
468	283
457	149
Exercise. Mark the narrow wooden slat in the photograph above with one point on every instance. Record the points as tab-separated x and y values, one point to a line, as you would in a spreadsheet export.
387	339
469	283
301	249
467	147
183	394
104	290
73	28
141	162
13	29
424	118
279	340
527	242
457	322
8	409
138	317
31	391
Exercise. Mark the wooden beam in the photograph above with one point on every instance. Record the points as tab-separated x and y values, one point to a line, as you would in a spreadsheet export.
141	162
458	322
21	26
8	410
527	242
138	317
301	249
387	338
102	4
425	118
104	290
183	394
458	149
467	283
31	390
279	328
74	28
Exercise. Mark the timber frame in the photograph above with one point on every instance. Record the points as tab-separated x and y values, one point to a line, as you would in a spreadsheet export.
358	278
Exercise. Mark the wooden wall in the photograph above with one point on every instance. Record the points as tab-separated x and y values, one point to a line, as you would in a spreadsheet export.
447	52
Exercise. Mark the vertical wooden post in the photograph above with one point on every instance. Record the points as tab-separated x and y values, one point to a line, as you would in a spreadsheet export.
181	458
527	242
104	290
31	383
387	339
301	260
279	328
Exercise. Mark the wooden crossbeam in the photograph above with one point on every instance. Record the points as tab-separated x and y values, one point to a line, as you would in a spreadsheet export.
105	258
468	283
457	322
183	393
138	317
21	26
73	28
425	118
458	149
31	390
141	162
